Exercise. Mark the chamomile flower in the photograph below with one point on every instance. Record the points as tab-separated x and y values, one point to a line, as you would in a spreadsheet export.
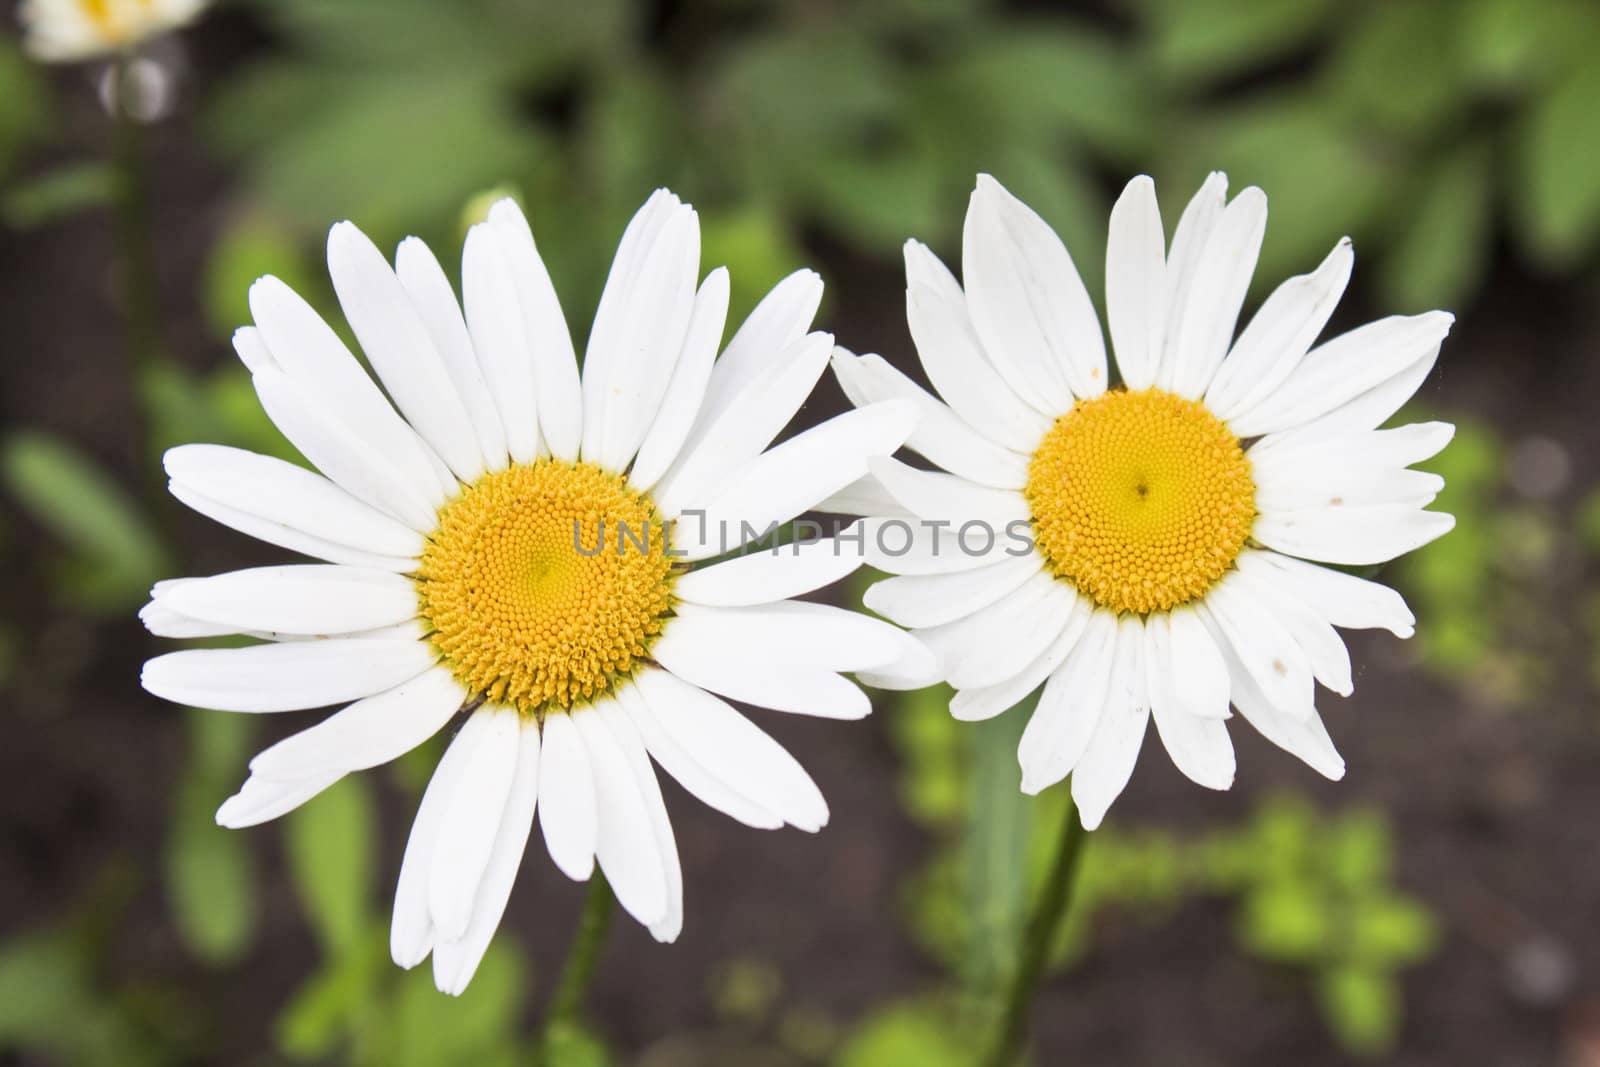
63	31
1149	548
508	546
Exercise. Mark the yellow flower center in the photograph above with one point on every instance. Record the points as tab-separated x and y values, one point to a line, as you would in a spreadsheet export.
545	584
1141	500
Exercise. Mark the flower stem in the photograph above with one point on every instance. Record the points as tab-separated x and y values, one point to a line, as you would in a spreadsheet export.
135	248
567	1003
1039	938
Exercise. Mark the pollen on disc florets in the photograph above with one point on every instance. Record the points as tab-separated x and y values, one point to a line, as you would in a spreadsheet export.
529	605
1142	500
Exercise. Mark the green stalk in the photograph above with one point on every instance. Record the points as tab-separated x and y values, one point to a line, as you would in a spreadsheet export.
1043	928
567	1004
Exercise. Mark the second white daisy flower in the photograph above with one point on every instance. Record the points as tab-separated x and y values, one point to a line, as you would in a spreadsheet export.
1147	549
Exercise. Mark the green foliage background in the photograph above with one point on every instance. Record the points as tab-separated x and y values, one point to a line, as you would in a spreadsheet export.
1443	135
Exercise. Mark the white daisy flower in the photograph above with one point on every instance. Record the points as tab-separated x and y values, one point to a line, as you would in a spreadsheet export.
1142	549
63	31
465	569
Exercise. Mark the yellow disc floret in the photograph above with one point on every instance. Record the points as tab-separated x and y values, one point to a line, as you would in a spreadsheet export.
1141	500
545	584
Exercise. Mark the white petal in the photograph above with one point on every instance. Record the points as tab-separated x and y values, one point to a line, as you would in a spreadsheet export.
782	318
998	641
340	448
1198	744
934	599
1259	641
400	349
162	621
1324	649
940	435
745	428
252	350
1303	736
1071	706
701	782
1204	322
368	732
1197	664
948	499
455	962
411	933
1278	455
797	633
975	705
1343	599
471	819
495	322
1107	764
284	677
1280	335
667	928
1343	369
1189	240
626	845
305	349
1354	536
1028	303
274	533
1136	283
290	496
916	546
304	598
567	808
555	363
791	478
638	335
953	357
434	300
727	761
261	800
680	406
1369	409
801	690
775	574
1333	482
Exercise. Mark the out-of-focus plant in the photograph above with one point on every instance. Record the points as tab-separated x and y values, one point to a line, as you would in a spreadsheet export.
1311	892
1410	125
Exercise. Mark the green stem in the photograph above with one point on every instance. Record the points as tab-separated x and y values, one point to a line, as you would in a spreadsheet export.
1039	939
135	247
567	1003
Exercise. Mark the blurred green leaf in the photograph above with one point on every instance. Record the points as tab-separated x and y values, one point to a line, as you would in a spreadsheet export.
23	109
1362	1006
1359	851
1442	248
56	194
219	408
324	1011
1559	169
1512	44
248	249
1286	921
373	148
1000	823
1391	931
330	845
210	880
1397	68
1323	179
919	1033
571	1045
117	554
429	1028
1209	38
757	249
